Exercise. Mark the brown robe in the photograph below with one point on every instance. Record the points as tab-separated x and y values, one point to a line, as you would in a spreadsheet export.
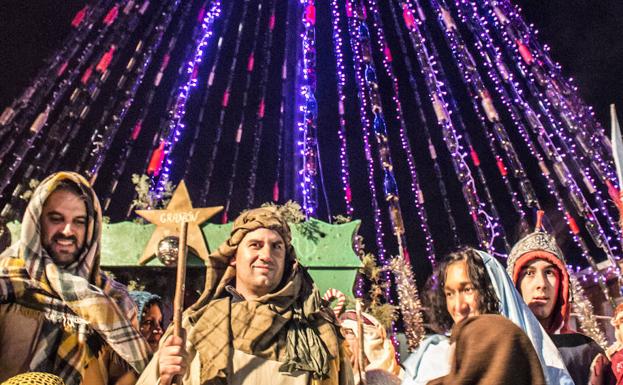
491	350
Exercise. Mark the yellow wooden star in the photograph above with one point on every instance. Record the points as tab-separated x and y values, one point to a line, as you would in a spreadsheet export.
168	223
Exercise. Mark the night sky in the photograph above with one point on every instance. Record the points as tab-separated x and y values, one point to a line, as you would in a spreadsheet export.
585	36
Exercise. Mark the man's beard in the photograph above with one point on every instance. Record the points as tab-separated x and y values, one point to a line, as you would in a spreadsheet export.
58	257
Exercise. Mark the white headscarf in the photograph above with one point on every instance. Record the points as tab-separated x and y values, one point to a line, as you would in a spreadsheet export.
513	307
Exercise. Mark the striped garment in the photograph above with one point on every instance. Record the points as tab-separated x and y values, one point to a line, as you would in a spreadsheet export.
76	299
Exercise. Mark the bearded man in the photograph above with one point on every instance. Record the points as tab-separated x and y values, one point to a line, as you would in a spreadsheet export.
59	313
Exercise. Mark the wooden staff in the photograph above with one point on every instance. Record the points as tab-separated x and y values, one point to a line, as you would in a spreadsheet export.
361	355
180	287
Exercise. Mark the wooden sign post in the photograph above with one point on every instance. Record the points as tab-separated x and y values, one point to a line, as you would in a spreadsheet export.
179	218
180	282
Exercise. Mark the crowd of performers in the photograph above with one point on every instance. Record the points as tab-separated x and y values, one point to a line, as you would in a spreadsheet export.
261	320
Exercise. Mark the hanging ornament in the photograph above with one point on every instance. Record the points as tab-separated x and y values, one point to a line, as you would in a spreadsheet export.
525	53
310	14
77	20
379	126
389	184
168	249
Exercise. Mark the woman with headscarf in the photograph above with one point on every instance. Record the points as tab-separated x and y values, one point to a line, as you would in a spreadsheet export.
149	316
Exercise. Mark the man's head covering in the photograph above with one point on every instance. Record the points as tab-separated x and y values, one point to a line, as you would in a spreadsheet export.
258	327
219	272
491	350
87	265
75	299
541	245
144	299
513	307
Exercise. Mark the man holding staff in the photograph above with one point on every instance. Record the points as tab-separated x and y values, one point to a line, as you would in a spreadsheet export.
259	320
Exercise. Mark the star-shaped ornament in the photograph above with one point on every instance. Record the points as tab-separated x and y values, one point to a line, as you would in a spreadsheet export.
168	223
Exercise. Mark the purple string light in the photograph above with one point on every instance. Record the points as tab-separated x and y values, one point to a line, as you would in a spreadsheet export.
356	31
489	51
418	195
424	128
224	106
488	116
133	74
522	57
260	112
578	161
341	83
190	159
308	109
496	228
566	93
483	223
176	124
135	129
574	142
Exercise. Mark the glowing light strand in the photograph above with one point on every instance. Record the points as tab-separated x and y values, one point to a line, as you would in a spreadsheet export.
133	74
496	65
493	219
287	89
203	110
224	107
134	130
338	49
260	112
165	69
24	142
424	128
578	199
379	127
176	123
418	194
482	221
517	108
243	119
23	109
574	138
567	92
307	125
71	119
594	229
369	92
355	37
488	117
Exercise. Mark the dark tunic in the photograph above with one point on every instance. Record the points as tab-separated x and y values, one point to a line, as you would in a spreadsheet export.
585	360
